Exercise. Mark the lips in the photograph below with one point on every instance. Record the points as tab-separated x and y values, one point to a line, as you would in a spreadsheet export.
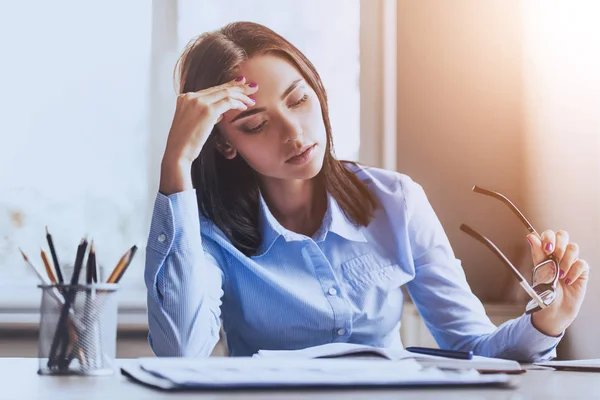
301	151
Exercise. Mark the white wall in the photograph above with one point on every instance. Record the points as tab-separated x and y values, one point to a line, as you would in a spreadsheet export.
459	124
562	125
506	94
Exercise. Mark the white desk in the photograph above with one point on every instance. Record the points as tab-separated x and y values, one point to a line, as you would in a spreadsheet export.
19	380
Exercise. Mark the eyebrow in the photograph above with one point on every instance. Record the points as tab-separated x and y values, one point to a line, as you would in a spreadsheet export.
253	111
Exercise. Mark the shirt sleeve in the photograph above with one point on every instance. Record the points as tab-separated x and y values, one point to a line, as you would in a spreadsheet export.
453	314
183	282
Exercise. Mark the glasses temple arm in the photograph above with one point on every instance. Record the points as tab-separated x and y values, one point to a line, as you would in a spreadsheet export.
476	235
524	284
509	203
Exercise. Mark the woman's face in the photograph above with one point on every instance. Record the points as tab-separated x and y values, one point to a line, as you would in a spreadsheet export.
283	135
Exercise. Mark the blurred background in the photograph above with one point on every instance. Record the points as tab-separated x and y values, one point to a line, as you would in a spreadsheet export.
504	94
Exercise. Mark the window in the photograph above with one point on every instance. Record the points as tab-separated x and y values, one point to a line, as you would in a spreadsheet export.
74	133
87	102
327	32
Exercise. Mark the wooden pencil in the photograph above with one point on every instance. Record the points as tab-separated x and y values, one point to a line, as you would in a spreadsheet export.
120	267
133	250
54	293
39	273
48	267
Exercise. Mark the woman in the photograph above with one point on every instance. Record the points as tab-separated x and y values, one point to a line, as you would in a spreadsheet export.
256	218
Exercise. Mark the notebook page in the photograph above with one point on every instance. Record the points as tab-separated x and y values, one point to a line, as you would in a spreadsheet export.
335	350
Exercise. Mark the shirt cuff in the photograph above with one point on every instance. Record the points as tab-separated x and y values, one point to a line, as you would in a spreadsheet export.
535	345
172	214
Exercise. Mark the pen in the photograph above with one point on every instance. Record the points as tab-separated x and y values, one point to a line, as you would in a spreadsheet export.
462	355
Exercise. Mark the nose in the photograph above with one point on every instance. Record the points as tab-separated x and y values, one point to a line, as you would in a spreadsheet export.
291	128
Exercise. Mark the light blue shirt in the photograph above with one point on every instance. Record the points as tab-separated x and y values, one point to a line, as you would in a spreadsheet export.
342	285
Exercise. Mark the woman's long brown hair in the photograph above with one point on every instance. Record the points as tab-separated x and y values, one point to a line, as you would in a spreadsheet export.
228	190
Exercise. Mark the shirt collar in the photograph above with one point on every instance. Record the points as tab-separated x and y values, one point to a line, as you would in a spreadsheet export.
334	221
340	224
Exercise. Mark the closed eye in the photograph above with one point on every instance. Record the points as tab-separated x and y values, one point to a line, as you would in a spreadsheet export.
300	101
256	129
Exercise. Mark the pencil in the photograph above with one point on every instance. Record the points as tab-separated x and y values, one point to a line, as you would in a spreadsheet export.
48	267
120	267
35	269
133	250
61	333
54	257
94	267
54	293
91	264
78	261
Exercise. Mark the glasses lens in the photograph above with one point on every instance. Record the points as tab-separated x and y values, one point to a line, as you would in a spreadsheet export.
544	276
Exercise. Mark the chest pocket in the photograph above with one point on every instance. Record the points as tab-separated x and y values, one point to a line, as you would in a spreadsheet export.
369	270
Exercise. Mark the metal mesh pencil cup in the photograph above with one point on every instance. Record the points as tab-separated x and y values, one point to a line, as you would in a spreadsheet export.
78	329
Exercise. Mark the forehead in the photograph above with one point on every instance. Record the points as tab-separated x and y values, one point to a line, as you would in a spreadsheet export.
272	73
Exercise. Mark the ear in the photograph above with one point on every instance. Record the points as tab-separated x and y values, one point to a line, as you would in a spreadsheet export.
225	148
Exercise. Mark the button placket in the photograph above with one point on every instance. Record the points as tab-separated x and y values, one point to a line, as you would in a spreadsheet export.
324	273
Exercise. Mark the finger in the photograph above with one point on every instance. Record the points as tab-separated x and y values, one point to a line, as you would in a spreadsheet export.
227	104
562	240
238	92
566	263
548	241
580	269
243	98
239	81
537	253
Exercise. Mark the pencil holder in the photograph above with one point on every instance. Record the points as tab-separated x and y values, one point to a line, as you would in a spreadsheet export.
78	329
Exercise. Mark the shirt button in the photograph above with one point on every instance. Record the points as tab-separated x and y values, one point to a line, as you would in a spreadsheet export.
332	291
162	237
341	332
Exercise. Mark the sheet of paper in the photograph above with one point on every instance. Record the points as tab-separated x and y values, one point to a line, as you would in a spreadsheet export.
589	363
272	372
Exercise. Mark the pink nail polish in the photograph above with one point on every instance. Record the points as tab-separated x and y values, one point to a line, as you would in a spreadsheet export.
253	84
561	274
549	247
568	281
239	78
529	241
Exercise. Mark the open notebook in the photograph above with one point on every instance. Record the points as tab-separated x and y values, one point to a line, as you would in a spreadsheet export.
351	350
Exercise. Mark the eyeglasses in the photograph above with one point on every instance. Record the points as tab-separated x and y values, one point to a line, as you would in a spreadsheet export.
545	274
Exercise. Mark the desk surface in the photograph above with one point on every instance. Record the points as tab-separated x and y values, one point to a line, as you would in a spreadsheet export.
19	380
